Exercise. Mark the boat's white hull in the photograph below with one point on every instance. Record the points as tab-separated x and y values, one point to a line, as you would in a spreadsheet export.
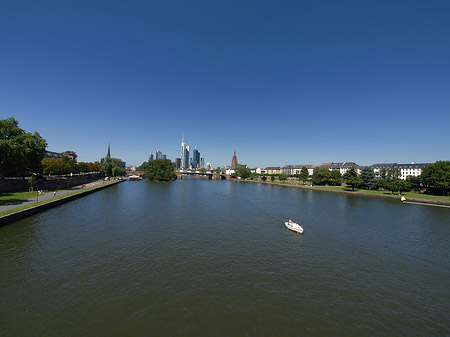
294	227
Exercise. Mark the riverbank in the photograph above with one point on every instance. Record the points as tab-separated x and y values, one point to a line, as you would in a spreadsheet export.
429	199
17	212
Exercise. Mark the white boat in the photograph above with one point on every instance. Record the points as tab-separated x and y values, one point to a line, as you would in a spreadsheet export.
295	227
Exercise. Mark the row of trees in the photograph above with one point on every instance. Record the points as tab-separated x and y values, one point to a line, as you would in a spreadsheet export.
66	165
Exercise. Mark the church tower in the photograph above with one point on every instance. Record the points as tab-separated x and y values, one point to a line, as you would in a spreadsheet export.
234	161
108	155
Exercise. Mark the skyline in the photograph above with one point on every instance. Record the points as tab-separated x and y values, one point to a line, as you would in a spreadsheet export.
288	81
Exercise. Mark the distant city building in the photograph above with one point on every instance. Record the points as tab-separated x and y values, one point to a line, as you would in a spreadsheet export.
184	157
177	163
186	161
157	155
195	158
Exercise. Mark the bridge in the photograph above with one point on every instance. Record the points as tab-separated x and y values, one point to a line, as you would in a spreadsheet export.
197	173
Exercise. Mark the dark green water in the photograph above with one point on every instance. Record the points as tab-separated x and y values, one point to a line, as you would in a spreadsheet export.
212	258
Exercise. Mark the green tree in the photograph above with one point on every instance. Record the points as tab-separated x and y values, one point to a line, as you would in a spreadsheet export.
283	177
82	167
399	185
335	178
321	176
368	179
415	181
20	151
112	167
382	178
94	167
159	170
352	179
243	172
62	165
304	174
437	176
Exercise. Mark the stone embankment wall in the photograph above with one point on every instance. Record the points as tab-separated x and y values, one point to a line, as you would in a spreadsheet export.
49	183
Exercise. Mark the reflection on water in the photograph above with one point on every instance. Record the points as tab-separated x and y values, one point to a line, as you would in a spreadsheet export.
199	257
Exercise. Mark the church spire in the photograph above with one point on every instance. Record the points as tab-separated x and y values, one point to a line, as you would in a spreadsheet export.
234	161
108	155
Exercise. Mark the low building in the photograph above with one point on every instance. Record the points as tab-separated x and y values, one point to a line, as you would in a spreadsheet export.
272	170
344	167
297	169
413	169
51	154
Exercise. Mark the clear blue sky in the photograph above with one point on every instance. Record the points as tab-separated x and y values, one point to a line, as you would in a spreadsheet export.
299	81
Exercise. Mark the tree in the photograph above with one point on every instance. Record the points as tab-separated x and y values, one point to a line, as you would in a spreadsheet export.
335	178
243	172
437	176
112	167
321	176
159	170
399	185
283	177
415	181
352	178
83	167
62	165
368	179
94	167
304	174
20	151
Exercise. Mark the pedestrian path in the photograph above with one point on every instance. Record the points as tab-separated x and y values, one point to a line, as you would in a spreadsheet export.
51	194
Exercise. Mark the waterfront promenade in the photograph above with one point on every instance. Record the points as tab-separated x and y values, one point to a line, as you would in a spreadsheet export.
50	195
19	210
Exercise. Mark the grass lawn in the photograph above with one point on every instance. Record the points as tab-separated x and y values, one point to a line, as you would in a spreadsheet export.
345	188
8	198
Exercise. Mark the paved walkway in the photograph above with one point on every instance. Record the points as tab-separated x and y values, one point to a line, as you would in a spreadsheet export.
50	195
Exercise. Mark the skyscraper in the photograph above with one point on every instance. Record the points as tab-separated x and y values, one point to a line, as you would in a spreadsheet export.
186	157
183	154
195	158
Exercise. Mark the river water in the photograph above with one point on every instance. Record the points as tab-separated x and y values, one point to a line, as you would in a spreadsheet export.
212	258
